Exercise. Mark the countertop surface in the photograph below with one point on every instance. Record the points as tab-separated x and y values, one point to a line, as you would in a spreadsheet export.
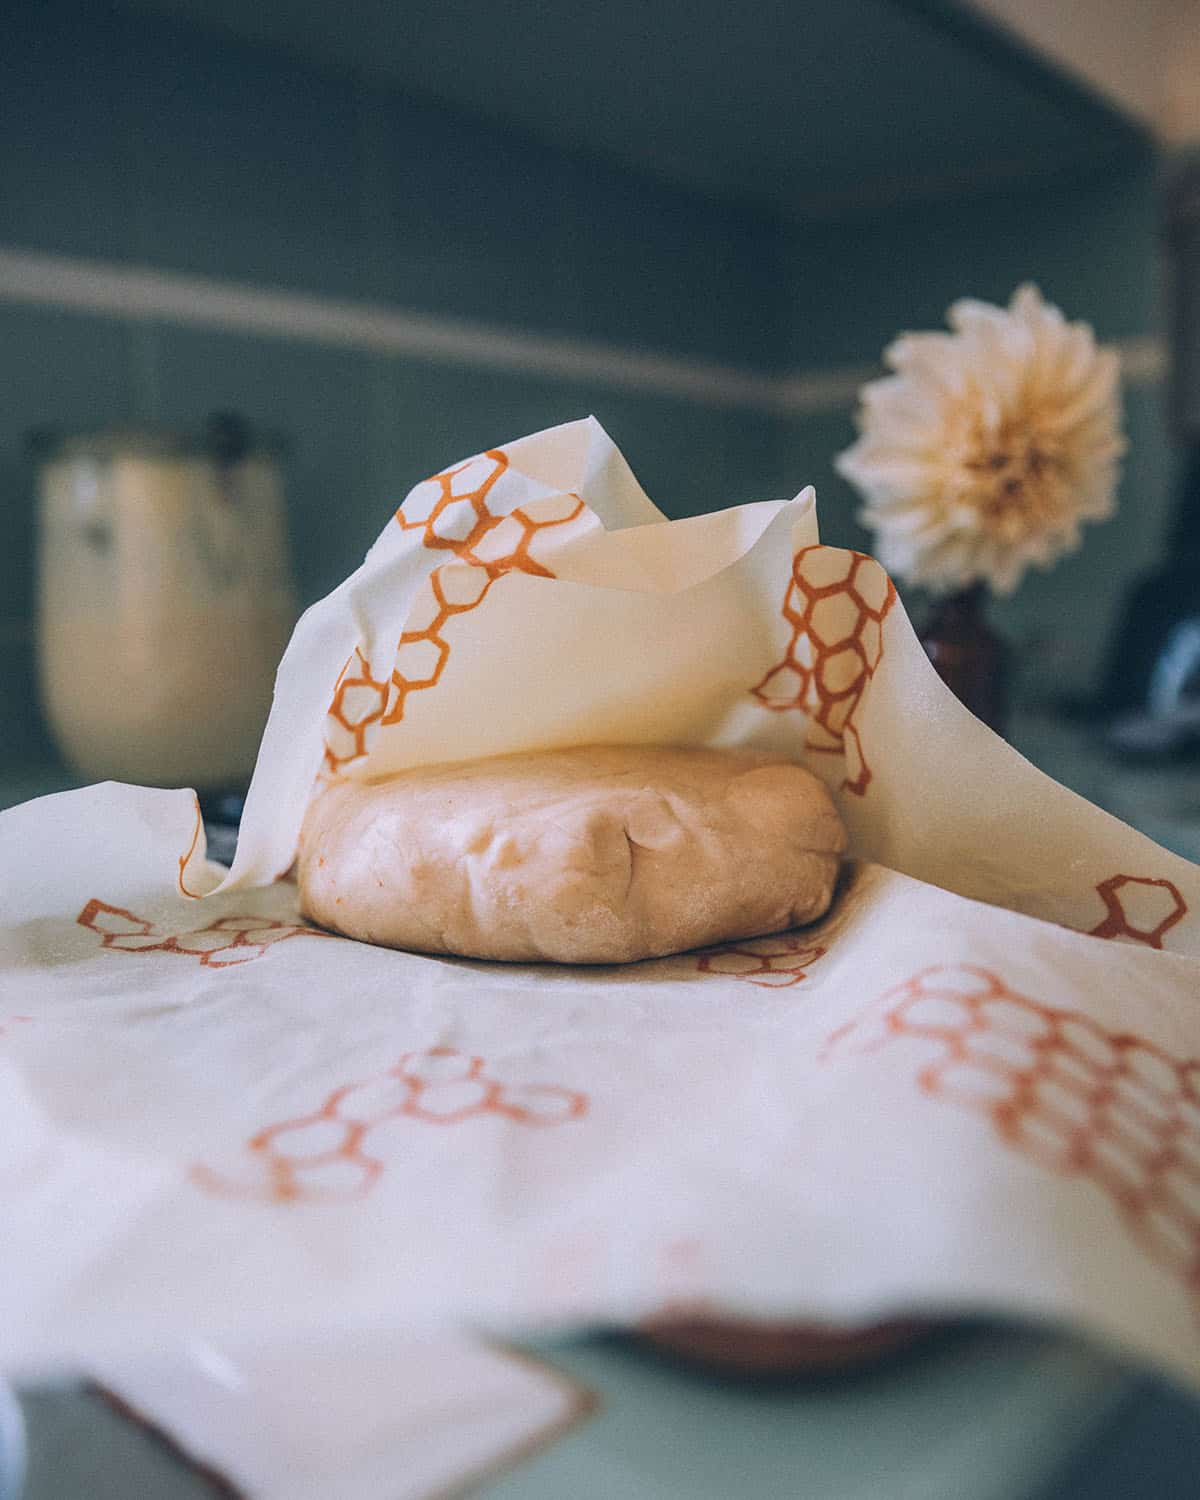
980	1413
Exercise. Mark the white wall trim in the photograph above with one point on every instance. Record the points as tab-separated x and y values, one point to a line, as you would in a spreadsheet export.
809	392
1143	360
144	295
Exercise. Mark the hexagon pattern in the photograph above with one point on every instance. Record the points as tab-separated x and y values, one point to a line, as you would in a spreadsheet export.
835	604
227	941
339	1151
184	859
1083	1101
1139	909
358	702
451	513
769	963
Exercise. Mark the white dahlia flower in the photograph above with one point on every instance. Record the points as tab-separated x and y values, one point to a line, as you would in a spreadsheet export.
989	446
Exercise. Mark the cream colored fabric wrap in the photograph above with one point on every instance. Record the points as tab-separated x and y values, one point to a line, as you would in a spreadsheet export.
602	854
219	1123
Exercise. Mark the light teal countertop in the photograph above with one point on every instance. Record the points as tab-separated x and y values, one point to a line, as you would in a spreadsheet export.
981	1414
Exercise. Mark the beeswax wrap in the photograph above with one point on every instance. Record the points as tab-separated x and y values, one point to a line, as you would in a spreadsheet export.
975	1085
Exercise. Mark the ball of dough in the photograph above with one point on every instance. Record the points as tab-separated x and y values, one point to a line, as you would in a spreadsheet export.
781	1349
601	854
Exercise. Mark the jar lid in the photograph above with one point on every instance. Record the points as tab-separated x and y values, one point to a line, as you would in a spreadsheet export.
225	439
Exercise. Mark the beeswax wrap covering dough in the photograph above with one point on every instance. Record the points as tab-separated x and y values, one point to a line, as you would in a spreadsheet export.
975	1084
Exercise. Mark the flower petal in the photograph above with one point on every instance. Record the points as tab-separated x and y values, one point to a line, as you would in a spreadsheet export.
986	447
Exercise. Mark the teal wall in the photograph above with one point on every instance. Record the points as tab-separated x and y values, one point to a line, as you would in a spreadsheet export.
1092	243
152	143
130	138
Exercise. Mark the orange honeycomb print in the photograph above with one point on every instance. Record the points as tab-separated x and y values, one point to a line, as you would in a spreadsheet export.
358	702
451	513
338	1152
185	858
773	963
1105	1106
783	959
227	941
1139	909
835	604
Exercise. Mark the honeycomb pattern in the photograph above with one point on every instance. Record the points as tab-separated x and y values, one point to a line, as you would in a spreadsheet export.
1108	1107
451	513
359	701
186	856
1139	909
783	959
223	943
338	1152
772	963
451	509
835	604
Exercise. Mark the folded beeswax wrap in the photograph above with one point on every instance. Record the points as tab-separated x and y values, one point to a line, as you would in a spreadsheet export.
974	1085
406	1418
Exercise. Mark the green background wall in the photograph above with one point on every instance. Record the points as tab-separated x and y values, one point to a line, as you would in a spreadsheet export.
153	143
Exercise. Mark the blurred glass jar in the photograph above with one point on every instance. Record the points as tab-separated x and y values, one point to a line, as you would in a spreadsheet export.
165	600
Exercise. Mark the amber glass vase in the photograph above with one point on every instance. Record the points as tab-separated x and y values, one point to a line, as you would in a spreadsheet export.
970	657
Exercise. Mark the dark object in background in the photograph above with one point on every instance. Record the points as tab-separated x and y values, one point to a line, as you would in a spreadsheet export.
1152	683
1151	686
1183	268
971	659
228	440
773	1351
222	815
